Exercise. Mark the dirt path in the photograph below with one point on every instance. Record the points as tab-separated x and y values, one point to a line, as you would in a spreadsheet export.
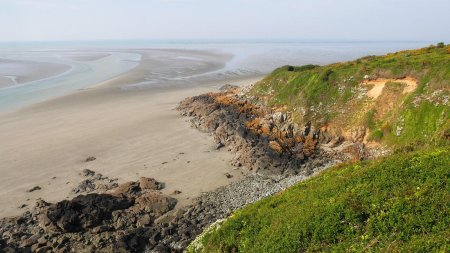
378	85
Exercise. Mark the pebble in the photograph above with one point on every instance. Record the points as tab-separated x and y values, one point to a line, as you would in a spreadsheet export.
36	188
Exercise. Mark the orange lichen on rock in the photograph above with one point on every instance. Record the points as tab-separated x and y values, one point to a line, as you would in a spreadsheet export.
242	106
279	139
310	145
275	146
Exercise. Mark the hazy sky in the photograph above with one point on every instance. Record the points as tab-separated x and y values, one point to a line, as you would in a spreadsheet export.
427	20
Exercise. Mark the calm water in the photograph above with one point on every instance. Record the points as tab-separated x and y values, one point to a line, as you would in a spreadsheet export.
249	58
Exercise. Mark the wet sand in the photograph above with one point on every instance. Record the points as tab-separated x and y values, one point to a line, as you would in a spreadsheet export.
132	133
16	71
84	56
164	68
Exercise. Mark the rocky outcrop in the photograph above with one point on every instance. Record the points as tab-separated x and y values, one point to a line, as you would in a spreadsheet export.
263	141
121	220
130	218
94	182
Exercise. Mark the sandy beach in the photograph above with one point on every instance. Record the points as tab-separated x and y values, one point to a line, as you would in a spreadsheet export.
132	133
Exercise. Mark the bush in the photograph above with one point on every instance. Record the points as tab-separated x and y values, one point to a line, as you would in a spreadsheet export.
376	135
306	67
440	45
327	74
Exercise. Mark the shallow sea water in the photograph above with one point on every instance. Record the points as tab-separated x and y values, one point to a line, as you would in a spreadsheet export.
248	59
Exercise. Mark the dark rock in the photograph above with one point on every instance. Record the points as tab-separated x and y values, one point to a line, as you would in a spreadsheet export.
219	145
85	186
88	173
82	212
90	159
36	188
228	175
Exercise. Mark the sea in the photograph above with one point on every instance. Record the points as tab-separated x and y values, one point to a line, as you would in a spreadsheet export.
245	58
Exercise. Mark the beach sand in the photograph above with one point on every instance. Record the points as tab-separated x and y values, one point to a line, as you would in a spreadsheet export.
132	133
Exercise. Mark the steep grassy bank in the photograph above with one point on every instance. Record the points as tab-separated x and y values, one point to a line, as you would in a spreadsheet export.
400	203
337	97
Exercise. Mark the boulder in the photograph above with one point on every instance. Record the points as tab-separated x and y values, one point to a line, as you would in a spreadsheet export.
149	184
154	203
82	212
128	190
228	87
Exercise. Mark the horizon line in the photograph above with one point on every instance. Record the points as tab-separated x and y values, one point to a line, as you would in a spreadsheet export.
228	40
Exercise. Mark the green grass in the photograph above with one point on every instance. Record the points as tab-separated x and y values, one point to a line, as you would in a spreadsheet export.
329	94
396	204
376	135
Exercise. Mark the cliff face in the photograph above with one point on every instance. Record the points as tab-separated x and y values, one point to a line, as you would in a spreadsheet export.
393	100
264	140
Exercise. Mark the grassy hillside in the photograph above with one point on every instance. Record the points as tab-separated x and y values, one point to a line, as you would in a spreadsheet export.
399	203
395	204
335	96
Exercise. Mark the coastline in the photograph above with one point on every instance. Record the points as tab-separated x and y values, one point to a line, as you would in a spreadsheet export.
190	170
132	133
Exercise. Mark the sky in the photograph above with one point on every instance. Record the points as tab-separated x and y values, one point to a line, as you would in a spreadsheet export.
371	20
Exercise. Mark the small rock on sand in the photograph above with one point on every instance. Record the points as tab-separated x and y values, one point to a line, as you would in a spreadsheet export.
36	188
23	206
90	159
88	173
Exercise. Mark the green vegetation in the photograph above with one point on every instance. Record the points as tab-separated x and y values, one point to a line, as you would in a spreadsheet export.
399	203
334	95
376	135
395	204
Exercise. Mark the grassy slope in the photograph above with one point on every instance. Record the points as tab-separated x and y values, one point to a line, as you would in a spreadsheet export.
399	203
330	95
392	204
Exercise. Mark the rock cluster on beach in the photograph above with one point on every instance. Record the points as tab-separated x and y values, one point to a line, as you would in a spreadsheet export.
118	220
